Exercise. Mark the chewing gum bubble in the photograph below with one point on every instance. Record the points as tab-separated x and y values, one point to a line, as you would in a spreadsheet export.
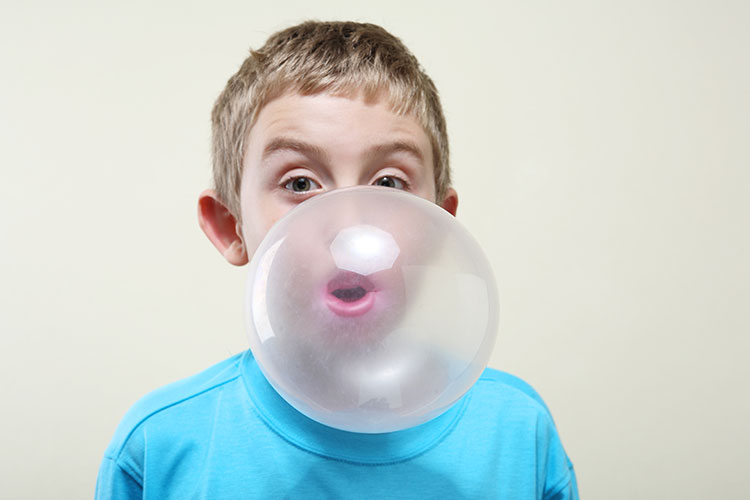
370	309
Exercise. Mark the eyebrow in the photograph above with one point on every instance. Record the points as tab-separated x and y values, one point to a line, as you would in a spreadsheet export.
281	144
389	148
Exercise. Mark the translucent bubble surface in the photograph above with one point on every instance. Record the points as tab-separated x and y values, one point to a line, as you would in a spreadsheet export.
370	309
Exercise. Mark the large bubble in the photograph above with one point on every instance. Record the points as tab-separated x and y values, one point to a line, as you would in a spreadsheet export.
370	309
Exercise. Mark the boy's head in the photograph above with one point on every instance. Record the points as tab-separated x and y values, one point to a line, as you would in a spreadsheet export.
320	106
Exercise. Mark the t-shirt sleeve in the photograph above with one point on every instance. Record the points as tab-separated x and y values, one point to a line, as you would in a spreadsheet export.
557	478
566	491
115	483
560	483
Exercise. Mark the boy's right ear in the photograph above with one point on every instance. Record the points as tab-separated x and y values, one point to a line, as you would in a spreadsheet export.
221	227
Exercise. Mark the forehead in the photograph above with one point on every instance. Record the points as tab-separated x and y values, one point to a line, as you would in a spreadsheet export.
336	121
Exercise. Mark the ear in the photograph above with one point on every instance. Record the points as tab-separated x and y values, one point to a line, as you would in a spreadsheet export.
221	227
450	201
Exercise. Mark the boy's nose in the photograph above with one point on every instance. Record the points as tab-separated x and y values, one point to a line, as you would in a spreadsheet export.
348	179
350	211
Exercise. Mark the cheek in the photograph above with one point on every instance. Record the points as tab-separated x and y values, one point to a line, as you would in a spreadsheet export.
427	191
256	222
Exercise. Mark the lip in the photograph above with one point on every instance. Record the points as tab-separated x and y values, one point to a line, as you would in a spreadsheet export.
350	294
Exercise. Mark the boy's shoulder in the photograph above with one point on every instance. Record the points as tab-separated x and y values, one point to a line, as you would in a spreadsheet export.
513	386
505	404
492	382
173	395
497	398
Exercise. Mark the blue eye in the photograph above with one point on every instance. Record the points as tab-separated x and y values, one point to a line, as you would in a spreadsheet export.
301	185
390	181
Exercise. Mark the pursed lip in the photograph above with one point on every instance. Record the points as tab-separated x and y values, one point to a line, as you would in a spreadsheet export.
350	294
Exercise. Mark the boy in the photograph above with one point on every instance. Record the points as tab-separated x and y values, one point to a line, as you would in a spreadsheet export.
319	107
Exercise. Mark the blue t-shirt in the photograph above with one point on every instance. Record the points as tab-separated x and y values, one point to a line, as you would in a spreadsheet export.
226	434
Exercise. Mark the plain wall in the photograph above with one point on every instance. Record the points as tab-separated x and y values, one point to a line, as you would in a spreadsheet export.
601	157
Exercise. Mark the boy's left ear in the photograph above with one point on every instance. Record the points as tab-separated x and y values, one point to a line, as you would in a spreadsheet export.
221	227
450	201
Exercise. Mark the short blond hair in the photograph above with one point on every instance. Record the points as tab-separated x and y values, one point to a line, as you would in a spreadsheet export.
343	58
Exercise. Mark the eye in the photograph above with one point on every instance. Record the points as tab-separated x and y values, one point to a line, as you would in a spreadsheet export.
390	181
301	185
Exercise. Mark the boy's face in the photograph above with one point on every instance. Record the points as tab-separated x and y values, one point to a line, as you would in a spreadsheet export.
301	146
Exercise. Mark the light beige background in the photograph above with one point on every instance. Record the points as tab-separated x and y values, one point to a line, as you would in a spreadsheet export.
600	152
